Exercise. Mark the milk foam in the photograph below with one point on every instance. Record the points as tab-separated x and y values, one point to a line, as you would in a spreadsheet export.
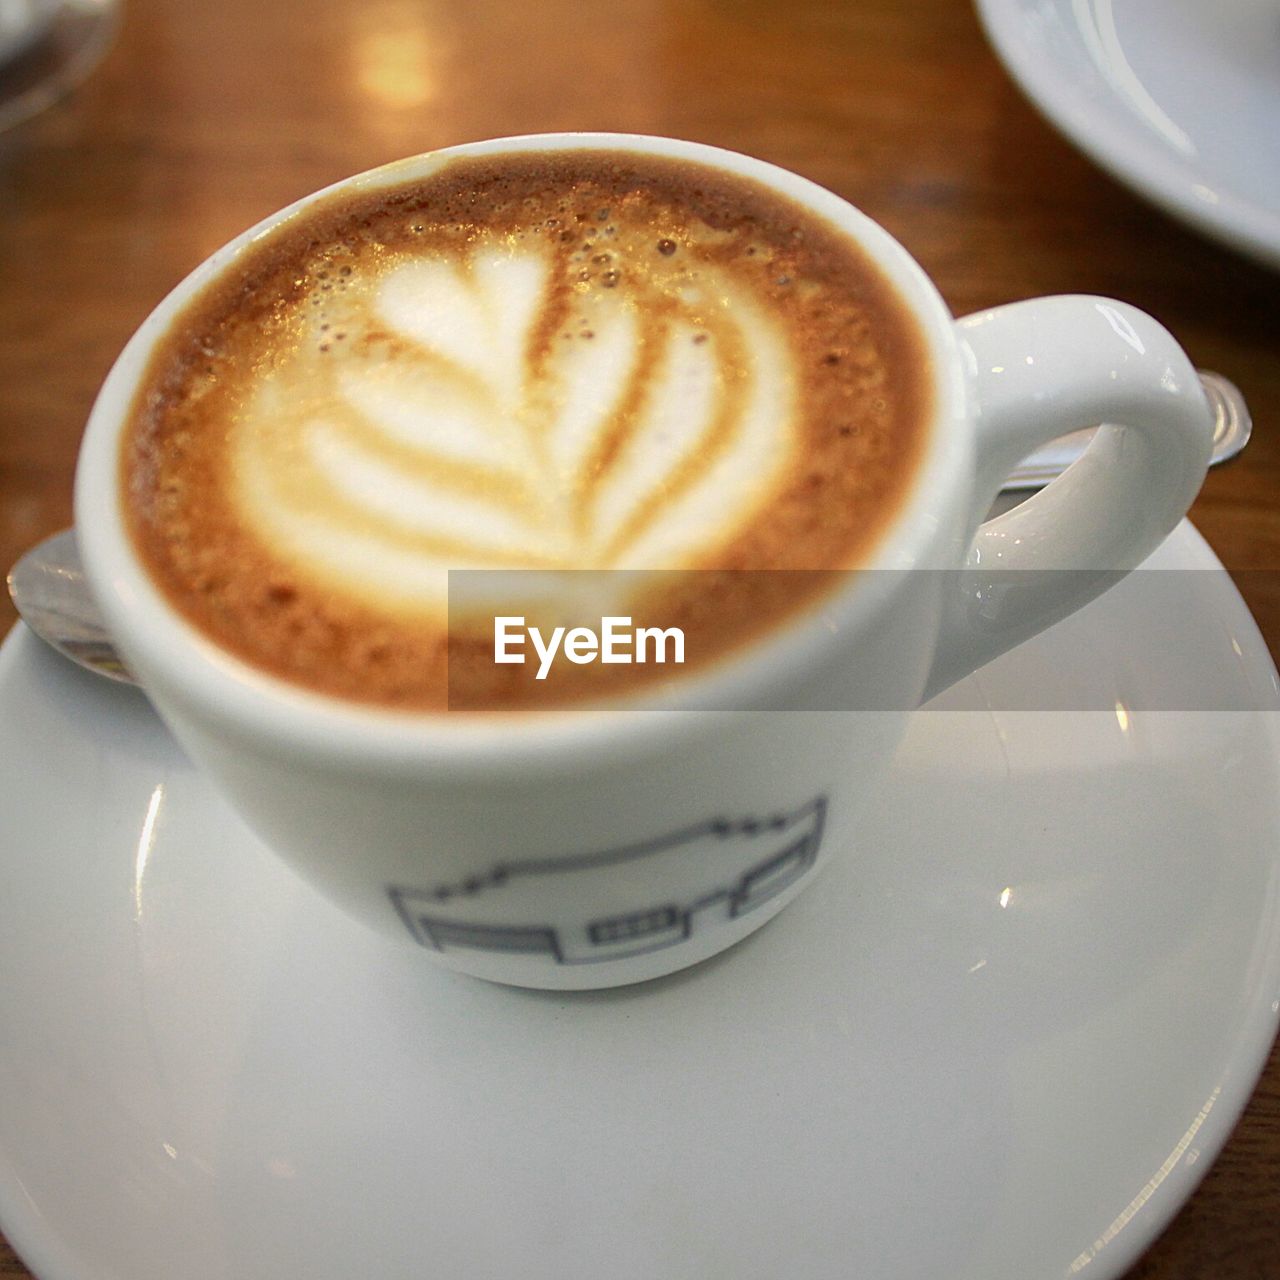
500	412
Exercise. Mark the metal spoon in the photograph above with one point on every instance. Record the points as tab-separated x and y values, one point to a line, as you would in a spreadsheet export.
52	598
48	587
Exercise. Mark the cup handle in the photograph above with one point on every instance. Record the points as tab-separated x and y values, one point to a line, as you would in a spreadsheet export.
1038	370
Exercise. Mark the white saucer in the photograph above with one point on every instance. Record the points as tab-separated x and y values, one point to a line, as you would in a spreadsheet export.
1002	1038
1178	98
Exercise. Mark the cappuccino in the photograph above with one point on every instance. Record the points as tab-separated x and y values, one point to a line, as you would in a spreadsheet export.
537	362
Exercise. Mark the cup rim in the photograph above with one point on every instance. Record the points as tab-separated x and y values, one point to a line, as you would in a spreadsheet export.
186	667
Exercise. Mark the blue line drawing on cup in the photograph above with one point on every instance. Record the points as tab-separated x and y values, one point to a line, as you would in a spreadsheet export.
754	860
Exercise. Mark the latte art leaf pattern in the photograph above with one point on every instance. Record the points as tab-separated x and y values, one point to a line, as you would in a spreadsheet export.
500	411
527	363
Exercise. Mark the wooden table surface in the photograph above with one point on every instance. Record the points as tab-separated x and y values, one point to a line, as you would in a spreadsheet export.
204	117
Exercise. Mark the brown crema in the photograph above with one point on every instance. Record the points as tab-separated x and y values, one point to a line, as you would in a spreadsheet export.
705	377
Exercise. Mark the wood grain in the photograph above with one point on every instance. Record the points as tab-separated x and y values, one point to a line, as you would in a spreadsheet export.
205	117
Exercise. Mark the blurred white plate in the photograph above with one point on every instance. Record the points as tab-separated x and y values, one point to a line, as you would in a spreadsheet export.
1179	99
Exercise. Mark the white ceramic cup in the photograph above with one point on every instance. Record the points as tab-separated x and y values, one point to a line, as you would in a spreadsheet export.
592	848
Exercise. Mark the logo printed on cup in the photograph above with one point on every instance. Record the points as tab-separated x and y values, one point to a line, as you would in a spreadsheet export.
747	862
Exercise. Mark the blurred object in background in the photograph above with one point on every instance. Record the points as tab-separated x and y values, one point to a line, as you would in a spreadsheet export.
22	23
46	48
1179	99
